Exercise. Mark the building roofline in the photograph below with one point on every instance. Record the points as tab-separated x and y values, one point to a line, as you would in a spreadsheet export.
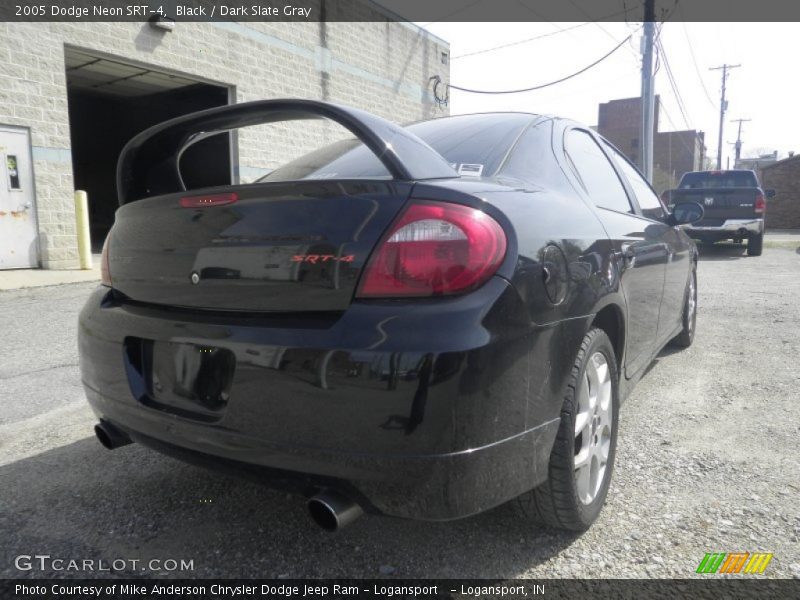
376	4
778	162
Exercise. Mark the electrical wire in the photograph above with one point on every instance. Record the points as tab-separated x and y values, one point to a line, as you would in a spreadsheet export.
696	68
673	84
678	100
517	43
438	80
541	36
603	29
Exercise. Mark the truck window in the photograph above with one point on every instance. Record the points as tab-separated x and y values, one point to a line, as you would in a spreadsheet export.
718	179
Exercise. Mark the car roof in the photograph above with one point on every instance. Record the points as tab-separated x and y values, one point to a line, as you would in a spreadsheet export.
521	117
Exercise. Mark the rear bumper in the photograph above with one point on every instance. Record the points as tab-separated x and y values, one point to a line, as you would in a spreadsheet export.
436	413
730	228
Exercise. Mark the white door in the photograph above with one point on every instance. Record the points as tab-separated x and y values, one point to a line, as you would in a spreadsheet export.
18	231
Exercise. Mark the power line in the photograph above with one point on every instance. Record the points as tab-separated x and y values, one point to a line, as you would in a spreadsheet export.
679	100
673	84
438	80
453	13
696	68
594	21
517	43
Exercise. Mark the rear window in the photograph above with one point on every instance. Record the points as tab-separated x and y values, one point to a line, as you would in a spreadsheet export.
475	145
721	179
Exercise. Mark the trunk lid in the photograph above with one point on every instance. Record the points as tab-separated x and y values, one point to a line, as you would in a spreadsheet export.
283	247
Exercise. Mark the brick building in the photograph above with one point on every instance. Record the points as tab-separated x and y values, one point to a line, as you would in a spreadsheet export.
674	152
783	176
78	91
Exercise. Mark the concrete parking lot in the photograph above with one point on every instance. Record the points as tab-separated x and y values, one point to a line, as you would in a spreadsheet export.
707	462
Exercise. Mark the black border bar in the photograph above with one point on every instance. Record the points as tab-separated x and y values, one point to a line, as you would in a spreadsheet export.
710	587
425	11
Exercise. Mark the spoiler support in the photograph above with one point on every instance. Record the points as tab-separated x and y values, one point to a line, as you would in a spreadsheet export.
149	163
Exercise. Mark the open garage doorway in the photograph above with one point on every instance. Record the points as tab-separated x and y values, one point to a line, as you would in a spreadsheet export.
110	101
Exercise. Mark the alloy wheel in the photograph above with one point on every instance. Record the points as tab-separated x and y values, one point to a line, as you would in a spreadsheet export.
593	424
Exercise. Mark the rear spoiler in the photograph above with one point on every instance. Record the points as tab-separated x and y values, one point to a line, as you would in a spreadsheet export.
149	162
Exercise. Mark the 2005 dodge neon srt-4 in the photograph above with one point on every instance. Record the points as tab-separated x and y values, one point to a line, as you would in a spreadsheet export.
422	321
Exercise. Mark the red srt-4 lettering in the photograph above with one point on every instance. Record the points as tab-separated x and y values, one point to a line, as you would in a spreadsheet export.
315	258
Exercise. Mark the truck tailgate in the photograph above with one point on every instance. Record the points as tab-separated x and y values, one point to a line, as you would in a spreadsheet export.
720	204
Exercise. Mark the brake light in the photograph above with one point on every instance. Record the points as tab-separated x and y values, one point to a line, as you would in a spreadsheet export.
208	200
434	249
761	204
105	271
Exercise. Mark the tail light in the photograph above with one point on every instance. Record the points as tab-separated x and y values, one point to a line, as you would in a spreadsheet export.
761	204
434	249
105	272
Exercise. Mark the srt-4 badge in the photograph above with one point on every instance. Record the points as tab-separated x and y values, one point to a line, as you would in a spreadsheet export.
315	258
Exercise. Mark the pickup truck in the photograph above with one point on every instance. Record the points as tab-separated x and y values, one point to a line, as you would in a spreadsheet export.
734	206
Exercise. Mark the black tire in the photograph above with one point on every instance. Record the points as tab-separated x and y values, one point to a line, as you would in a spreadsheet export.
556	503
755	245
685	338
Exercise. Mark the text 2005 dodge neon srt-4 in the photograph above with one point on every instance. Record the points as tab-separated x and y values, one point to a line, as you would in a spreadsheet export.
422	321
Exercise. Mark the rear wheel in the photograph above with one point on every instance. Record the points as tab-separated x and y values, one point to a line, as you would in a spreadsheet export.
582	458
685	338
755	244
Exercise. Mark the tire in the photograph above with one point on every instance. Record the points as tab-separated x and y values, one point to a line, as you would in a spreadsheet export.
755	245
685	338
572	498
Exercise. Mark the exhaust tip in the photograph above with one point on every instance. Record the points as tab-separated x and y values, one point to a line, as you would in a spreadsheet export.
109	436
332	511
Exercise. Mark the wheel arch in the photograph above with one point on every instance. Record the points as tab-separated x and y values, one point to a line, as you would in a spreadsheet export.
611	320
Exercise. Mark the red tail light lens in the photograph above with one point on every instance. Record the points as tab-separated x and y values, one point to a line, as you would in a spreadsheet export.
105	272
761	204
208	200
435	249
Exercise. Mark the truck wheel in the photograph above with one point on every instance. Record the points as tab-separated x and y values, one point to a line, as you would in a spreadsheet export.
755	244
582	457
685	338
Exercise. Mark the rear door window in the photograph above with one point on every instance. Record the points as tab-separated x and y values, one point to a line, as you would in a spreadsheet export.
648	200
595	172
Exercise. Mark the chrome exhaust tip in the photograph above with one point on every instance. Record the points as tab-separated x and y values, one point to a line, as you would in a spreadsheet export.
332	511
110	436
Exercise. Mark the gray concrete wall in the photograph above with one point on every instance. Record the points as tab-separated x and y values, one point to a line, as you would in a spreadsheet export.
378	66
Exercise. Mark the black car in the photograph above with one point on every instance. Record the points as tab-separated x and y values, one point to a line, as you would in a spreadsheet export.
423	321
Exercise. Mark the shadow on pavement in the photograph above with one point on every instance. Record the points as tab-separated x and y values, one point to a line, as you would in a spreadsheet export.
83	502
722	251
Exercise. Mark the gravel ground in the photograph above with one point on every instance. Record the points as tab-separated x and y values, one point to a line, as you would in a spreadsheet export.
707	462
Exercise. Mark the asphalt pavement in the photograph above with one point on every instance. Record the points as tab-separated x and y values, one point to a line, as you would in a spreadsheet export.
707	462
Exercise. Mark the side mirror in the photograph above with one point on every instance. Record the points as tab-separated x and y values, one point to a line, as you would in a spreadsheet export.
684	213
769	193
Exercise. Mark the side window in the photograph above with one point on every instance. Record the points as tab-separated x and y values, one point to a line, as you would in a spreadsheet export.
648	201
532	157
598	177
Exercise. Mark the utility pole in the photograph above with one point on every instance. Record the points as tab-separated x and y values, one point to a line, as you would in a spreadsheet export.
648	90
738	144
723	106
